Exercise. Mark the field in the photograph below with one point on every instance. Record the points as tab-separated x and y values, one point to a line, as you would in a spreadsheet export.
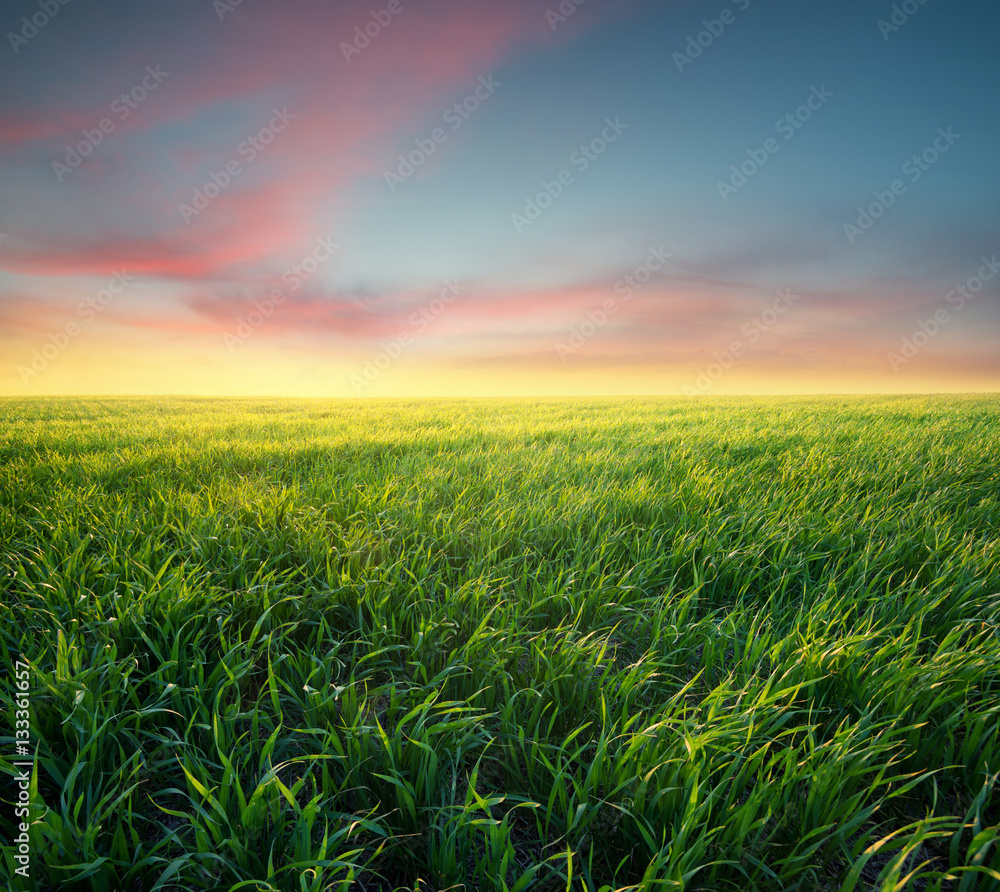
718	644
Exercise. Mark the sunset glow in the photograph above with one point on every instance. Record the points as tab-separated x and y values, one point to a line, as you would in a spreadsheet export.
445	197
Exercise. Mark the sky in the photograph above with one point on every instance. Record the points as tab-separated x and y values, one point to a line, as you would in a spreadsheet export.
498	197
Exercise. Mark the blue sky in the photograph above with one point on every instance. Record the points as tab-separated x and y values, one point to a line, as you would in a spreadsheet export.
191	318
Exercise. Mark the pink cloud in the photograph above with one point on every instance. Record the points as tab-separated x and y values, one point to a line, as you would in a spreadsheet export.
346	113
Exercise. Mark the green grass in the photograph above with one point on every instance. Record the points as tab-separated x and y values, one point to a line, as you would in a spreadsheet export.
719	644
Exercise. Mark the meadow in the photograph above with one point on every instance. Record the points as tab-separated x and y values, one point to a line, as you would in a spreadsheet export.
580	644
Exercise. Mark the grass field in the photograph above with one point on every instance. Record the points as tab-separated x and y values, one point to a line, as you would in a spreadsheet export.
719	644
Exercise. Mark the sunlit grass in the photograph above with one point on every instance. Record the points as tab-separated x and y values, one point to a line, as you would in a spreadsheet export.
589	644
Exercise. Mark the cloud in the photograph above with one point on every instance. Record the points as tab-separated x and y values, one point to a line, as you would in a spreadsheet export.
347	116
